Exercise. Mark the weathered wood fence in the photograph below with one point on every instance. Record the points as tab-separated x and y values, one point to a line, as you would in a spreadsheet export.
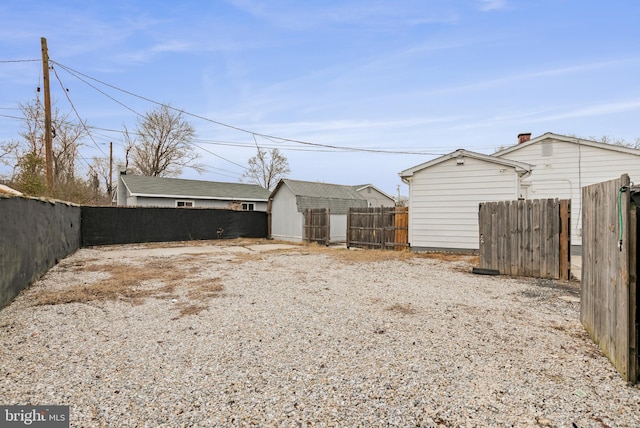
526	238
386	228
317	225
609	295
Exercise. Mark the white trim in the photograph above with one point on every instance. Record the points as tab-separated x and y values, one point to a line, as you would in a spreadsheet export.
520	167
566	139
216	198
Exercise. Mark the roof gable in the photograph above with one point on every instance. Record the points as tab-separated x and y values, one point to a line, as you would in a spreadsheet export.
360	187
520	167
197	189
321	190
549	136
338	198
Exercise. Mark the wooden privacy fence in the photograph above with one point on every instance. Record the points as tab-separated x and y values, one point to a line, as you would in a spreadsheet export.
386	228
526	237
609	294
317	225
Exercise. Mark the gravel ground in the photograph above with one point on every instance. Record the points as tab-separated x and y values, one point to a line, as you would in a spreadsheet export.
256	335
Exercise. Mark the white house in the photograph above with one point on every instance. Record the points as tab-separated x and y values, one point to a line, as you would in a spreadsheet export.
291	198
446	191
136	190
374	196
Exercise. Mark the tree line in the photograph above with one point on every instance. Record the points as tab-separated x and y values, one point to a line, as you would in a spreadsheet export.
160	145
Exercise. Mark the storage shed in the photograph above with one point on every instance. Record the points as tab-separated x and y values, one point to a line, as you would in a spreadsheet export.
291	198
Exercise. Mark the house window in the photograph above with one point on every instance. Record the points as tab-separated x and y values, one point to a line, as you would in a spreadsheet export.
248	207
184	204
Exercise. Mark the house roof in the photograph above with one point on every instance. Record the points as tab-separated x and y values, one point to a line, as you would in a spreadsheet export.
364	186
549	136
336	197
520	167
162	187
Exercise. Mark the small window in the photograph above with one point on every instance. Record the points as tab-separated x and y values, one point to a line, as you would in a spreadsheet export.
184	204
247	207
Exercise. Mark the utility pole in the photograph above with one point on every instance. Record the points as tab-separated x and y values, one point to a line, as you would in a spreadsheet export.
48	136
110	170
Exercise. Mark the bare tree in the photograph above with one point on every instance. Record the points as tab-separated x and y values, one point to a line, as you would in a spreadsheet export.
162	144
8	150
266	168
102	171
30	151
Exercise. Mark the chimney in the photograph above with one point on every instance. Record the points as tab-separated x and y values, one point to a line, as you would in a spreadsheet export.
523	138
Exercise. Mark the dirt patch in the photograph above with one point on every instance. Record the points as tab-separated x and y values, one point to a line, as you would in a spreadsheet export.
155	279
402	308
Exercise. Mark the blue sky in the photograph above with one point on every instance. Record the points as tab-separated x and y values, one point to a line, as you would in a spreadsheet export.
400	81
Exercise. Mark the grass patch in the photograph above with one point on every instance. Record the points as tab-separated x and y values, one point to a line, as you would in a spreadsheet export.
133	283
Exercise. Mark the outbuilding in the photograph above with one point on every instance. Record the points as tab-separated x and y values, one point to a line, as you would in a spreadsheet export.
291	198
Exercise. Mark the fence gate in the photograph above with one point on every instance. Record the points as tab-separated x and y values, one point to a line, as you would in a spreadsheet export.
381	227
526	237
609	296
317	225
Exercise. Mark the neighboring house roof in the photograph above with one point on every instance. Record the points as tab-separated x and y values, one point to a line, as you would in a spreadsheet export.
360	187
9	191
567	139
520	167
162	187
336	197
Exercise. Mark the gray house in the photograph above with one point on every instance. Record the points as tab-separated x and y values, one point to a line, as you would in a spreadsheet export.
141	191
291	198
374	196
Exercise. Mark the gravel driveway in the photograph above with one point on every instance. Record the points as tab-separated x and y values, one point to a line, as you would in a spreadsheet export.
251	334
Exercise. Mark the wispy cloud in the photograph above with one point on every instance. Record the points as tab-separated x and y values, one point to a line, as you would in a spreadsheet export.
374	14
488	5
592	110
536	74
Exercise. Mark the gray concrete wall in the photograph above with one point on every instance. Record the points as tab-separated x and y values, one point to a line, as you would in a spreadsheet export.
34	235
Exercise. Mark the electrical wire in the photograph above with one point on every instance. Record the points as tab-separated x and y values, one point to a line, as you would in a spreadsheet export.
6	61
77	73
83	124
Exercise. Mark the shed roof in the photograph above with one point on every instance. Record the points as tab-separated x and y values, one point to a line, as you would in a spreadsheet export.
338	198
162	187
520	167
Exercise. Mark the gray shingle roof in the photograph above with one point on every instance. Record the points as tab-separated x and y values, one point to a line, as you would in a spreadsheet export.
337	198
182	188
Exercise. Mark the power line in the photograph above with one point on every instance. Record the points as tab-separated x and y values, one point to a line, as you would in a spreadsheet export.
83	124
75	73
6	61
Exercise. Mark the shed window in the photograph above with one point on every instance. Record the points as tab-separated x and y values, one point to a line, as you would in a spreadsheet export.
248	207
184	204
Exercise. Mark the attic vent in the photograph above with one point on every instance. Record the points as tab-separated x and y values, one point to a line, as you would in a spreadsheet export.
547	149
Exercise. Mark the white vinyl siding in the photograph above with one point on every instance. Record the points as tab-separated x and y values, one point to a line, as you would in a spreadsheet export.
286	221
570	167
443	212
